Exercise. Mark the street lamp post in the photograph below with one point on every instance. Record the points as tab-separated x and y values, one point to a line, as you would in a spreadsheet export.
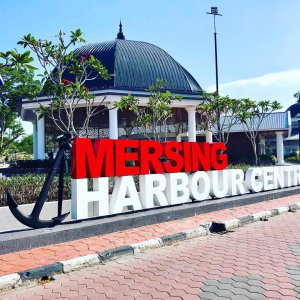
214	12
298	119
297	96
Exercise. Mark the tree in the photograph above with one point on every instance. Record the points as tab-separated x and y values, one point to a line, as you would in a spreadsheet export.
17	61
219	114
15	70
252	116
26	144
58	63
151	118
18	82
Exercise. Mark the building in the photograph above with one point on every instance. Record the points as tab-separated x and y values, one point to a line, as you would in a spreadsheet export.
134	66
291	144
270	140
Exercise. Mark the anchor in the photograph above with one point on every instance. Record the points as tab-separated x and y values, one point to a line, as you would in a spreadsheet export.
33	220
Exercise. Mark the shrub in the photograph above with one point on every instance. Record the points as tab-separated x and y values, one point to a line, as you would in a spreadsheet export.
26	189
244	167
237	159
294	158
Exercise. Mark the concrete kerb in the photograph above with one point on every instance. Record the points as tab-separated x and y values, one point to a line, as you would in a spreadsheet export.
80	262
148	244
10	281
47	272
261	216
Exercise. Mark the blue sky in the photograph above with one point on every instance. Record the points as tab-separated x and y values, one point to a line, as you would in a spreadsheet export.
258	41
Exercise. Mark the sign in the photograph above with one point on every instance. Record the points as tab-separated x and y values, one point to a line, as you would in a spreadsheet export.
108	157
150	174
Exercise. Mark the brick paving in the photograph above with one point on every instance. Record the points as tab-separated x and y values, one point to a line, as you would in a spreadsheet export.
259	261
28	259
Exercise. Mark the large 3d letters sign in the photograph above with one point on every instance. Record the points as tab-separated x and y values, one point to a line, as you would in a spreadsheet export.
167	174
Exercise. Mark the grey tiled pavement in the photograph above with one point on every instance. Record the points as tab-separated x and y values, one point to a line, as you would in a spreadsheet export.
249	286
258	261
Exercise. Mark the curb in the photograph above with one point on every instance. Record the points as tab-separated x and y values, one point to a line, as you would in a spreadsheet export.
217	227
47	272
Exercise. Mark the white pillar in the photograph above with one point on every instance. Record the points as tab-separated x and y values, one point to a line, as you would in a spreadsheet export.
262	146
113	122
208	136
40	136
34	129
208	133
279	147
191	110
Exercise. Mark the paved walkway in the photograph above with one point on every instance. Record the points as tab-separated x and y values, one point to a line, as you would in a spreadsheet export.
259	261
24	260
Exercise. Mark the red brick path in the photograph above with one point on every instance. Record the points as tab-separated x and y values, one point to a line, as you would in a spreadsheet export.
28	259
259	261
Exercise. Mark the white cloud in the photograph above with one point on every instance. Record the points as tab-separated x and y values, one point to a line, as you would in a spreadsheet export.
279	86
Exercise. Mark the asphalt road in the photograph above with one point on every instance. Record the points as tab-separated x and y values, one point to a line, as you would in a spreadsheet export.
258	261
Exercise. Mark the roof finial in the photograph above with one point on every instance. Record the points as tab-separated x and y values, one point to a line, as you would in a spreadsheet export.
120	35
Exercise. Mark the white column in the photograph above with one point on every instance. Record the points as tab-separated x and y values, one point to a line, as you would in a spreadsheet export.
34	128
208	133
262	146
113	122
208	136
191	110
279	147
40	136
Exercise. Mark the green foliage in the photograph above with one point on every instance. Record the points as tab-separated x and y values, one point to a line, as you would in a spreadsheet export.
14	60
242	166
246	166
26	144
249	159
151	119
294	158
57	62
18	83
254	112
252	116
26	188
219	114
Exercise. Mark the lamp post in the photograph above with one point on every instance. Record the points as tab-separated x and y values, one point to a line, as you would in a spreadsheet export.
297	96
214	12
298	119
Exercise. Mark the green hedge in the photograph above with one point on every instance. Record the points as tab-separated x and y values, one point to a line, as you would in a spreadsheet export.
26	189
238	159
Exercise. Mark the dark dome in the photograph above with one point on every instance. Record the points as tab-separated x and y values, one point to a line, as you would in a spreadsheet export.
294	109
136	66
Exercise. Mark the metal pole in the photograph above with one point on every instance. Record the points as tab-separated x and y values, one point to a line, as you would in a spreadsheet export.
216	57
214	12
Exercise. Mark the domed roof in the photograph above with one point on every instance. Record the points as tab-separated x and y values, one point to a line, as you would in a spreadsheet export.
294	109
135	66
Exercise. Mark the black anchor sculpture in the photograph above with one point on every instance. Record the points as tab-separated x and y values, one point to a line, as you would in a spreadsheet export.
33	220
